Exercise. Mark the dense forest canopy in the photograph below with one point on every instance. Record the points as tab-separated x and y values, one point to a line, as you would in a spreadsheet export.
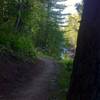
27	26
30	26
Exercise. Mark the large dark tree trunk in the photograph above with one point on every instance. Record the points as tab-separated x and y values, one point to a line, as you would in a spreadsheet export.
85	82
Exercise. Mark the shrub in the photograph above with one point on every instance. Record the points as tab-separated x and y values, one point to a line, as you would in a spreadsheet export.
64	76
21	45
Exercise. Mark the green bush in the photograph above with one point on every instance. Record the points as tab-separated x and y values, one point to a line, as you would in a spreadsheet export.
21	45
24	46
64	77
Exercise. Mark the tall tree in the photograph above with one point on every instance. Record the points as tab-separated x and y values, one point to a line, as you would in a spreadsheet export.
50	37
85	82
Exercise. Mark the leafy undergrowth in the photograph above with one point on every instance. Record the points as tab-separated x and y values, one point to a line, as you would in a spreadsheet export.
18	46
44	53
63	79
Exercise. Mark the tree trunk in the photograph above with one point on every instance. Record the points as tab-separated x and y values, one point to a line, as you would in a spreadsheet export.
85	80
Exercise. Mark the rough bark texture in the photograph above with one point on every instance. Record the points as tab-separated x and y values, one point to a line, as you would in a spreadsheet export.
85	82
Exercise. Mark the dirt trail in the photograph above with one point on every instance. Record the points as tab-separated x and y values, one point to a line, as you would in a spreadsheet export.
38	87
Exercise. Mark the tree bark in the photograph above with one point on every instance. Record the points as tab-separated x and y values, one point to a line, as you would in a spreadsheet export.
85	80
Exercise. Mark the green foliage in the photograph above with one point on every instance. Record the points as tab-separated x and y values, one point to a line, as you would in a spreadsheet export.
24	46
73	26
54	40
72	30
64	77
66	68
20	45
30	24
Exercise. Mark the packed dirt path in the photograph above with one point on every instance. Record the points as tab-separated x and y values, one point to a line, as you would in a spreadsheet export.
38	87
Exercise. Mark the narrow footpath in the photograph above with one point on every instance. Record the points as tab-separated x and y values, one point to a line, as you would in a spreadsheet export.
39	85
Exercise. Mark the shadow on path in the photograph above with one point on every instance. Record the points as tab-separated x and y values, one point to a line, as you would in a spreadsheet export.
26	81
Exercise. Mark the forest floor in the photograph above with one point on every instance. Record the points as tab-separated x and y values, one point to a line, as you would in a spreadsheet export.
27	81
